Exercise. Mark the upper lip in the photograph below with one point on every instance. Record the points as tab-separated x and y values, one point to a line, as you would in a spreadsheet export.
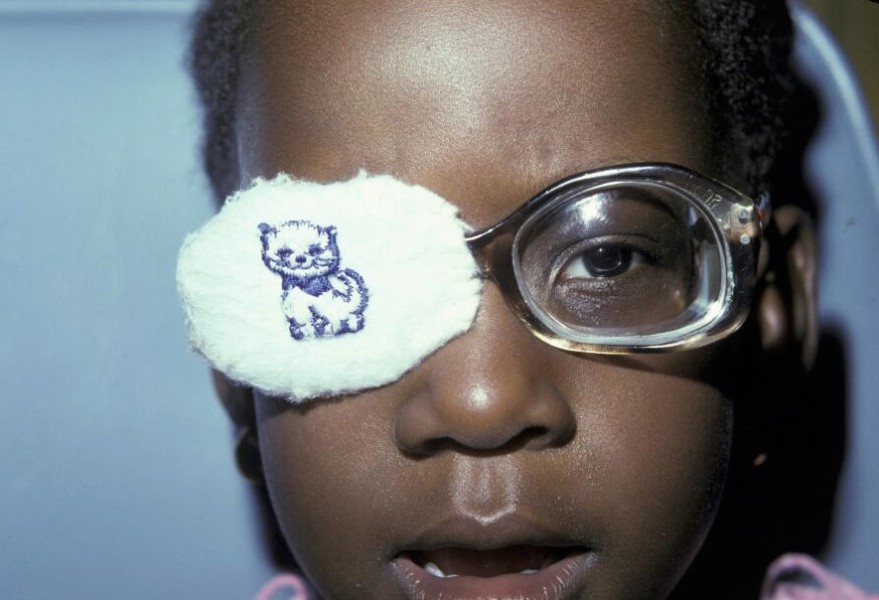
458	530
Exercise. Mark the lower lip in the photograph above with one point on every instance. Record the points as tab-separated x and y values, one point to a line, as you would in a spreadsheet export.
563	580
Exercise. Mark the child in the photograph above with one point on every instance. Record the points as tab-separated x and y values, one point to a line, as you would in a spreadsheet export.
514	458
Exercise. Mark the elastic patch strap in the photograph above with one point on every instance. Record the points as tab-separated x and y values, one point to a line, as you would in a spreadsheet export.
307	290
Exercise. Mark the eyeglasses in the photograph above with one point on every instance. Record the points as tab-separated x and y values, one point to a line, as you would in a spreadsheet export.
633	258
293	289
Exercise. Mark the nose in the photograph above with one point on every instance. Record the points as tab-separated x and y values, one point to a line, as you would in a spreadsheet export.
486	391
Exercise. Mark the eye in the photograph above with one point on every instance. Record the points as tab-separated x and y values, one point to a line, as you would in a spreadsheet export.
315	249
606	260
284	253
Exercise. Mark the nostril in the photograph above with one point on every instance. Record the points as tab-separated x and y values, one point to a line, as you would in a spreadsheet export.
532	433
530	437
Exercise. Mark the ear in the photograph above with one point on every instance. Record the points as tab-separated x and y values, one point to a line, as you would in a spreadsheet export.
786	304
238	403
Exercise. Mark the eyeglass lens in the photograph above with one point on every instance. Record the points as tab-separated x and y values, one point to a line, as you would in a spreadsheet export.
635	258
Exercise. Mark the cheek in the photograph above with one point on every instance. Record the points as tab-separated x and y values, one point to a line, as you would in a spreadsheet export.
654	454
670	441
327	476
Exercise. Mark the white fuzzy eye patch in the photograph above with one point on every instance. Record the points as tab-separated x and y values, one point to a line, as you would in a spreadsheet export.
307	290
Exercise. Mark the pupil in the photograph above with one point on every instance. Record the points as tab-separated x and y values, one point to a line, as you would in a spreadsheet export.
607	262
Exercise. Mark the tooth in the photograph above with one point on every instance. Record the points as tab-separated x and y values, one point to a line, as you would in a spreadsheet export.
436	571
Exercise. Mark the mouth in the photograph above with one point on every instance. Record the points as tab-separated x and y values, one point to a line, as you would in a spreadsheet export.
521	572
464	562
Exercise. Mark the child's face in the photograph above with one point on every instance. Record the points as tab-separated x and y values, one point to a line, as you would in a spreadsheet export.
499	453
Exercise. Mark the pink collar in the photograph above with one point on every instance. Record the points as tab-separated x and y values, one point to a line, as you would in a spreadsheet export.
800	577
284	587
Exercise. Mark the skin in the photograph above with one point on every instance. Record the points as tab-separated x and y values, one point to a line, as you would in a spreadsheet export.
486	104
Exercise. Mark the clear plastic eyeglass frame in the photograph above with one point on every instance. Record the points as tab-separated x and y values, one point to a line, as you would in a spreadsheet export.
627	259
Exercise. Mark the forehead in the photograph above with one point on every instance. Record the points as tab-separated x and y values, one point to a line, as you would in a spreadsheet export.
491	99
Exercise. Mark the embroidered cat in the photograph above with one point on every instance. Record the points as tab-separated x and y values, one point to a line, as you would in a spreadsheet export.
319	298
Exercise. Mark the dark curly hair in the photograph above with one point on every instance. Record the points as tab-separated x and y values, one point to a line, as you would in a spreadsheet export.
220	33
744	61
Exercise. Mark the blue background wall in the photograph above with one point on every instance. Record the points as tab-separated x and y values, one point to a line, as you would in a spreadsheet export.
116	471
116	477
